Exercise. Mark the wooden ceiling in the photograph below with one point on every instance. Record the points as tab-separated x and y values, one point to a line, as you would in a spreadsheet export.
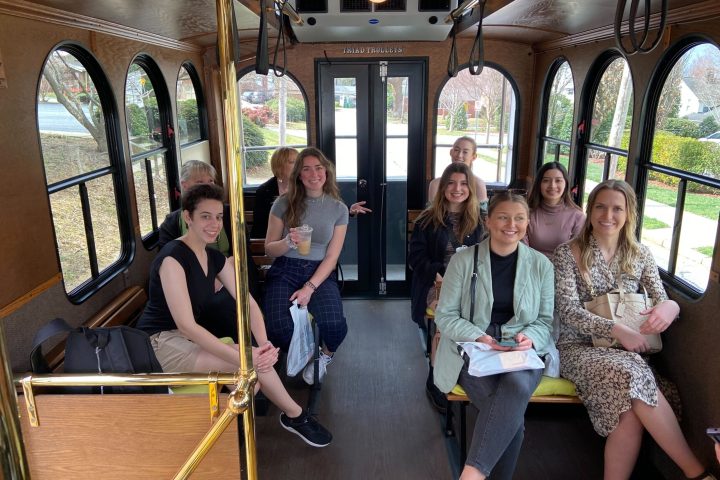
193	21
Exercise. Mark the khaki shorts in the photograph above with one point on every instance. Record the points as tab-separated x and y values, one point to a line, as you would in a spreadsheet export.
175	353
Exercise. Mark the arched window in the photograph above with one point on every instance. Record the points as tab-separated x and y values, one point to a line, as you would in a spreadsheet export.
482	107
191	124
681	167
274	114
607	133
79	137
152	150
558	106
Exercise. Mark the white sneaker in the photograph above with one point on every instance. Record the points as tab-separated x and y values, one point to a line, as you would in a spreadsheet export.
309	371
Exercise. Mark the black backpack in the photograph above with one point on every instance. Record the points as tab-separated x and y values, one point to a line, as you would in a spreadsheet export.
119	349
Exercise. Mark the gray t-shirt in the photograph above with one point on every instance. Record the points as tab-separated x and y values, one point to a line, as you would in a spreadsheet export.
323	215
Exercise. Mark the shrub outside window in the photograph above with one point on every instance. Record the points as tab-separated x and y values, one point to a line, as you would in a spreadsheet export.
75	118
189	117
482	107
683	178
274	114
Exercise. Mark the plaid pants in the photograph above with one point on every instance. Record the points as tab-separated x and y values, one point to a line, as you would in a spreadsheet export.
285	277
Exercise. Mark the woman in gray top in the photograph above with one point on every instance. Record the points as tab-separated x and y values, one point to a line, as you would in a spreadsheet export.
312	199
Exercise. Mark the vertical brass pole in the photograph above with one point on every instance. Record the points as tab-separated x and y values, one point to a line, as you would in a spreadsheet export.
13	461
231	119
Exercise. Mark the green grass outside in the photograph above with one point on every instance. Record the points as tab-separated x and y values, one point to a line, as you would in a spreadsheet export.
273	138
707	251
654	224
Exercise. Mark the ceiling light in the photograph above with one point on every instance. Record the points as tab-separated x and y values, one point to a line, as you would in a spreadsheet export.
377	1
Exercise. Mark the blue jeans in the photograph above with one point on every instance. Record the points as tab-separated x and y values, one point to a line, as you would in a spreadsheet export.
285	277
501	401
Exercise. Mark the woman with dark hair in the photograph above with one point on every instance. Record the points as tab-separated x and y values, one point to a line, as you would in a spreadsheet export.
452	222
554	216
621	392
512	302
182	283
309	278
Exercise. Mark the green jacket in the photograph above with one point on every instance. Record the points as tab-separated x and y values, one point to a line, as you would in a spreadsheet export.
534	299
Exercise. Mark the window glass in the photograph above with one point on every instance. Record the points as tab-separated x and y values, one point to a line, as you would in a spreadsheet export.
612	109
560	104
559	120
274	114
141	110
687	127
78	168
150	150
188	110
481	107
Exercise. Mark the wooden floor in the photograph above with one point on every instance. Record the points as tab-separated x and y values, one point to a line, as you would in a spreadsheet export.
373	401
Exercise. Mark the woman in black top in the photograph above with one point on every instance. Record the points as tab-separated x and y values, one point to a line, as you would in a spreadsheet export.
182	282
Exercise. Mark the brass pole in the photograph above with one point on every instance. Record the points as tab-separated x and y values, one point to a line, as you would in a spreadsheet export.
238	402
231	116
13	461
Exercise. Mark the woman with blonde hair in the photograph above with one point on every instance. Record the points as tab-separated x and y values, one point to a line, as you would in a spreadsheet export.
621	392
498	291
452	222
312	199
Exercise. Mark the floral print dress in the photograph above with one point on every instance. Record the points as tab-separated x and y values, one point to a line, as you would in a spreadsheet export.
607	379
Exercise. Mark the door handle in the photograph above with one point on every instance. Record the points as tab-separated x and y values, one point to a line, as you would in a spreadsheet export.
362	183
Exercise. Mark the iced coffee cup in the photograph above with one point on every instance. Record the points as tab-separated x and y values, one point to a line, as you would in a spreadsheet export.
303	245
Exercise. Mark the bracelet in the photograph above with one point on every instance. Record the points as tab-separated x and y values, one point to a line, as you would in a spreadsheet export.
311	285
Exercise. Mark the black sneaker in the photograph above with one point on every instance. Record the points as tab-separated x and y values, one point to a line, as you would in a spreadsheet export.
306	427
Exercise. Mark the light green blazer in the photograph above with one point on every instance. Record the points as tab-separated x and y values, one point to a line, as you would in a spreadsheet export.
533	302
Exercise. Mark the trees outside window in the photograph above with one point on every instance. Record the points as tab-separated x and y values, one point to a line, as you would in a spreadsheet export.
190	115
76	115
483	108
559	108
151	139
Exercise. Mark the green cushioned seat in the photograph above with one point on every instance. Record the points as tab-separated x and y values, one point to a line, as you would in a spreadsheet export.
547	386
186	389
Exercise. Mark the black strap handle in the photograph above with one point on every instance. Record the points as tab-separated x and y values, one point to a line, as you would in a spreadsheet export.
473	282
452	68
477	54
54	327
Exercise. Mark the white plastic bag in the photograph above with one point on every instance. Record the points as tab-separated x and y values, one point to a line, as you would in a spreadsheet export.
485	361
302	344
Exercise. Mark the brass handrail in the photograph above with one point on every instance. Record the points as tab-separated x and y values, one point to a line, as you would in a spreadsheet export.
212	379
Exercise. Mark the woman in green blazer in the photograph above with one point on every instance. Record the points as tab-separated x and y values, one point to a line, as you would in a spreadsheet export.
514	299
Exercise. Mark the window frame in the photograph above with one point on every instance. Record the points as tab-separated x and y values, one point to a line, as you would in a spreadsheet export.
515	130
543	138
168	150
587	106
98	278
241	73
200	99
645	165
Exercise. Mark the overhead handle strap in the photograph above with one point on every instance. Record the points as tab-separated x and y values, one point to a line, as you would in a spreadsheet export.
477	54
452	68
638	46
261	54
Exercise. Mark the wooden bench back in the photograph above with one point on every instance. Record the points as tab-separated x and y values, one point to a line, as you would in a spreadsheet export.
124	436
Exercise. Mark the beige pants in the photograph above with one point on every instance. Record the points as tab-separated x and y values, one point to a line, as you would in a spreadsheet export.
175	353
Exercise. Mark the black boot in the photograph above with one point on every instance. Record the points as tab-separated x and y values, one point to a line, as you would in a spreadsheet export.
436	397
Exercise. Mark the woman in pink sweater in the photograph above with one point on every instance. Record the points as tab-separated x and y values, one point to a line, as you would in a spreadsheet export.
554	216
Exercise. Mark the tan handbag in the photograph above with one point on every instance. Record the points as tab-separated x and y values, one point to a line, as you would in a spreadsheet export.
624	308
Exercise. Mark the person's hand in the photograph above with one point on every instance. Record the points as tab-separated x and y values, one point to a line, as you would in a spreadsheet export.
264	357
294	235
523	342
357	208
631	340
660	317
717	451
302	296
488	340
438	277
